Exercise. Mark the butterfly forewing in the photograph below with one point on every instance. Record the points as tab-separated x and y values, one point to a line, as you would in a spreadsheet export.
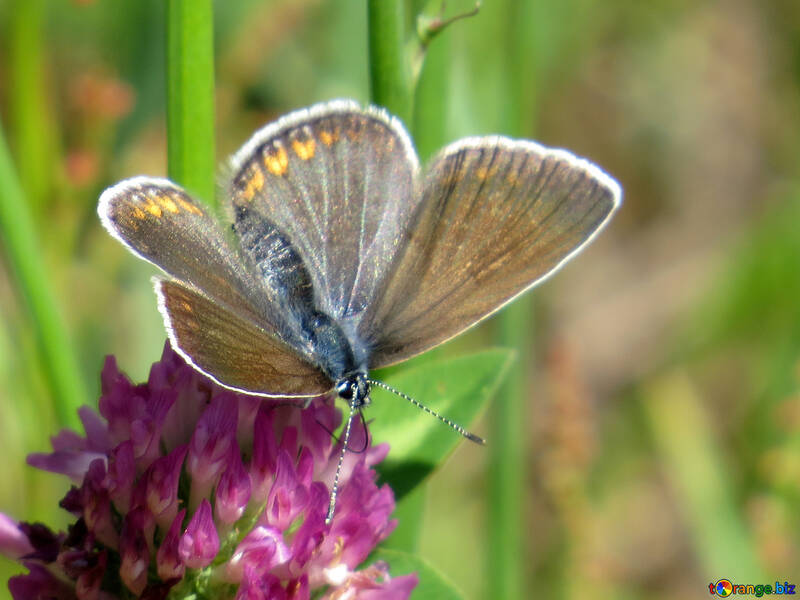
496	217
338	181
233	350
161	223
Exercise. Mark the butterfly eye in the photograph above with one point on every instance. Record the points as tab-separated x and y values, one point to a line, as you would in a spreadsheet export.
345	389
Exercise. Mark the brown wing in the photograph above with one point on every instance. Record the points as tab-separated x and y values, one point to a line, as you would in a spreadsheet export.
338	181
497	216
162	224
232	350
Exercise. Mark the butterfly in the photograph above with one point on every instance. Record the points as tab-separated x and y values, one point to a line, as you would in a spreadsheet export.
343	255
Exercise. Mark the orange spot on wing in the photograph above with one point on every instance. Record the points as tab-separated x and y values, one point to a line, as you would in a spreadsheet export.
188	206
167	204
255	183
153	208
304	150
329	137
277	161
138	213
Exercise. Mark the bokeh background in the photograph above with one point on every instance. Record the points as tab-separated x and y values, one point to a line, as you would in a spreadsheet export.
662	366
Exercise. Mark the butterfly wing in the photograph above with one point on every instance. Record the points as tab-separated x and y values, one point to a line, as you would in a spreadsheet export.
235	352
162	224
497	217
338	181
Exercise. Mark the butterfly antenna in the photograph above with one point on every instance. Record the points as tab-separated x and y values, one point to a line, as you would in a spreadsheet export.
337	440
335	490
470	436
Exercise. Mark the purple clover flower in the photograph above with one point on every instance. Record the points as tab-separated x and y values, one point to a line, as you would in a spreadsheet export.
183	487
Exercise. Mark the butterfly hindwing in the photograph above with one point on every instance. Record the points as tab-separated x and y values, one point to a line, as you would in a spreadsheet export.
234	351
496	217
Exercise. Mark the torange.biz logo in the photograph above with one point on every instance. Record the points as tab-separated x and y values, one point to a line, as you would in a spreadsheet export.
725	588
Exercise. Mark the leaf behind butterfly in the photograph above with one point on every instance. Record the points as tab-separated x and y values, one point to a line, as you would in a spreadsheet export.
458	388
432	585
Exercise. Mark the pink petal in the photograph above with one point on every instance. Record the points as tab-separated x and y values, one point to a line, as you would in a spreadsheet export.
200	542
13	542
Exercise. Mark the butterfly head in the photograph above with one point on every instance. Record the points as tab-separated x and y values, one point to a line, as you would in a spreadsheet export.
354	388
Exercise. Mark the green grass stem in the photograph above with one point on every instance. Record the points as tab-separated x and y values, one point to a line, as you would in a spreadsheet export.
684	437
23	251
509	437
430	99
30	131
190	96
390	82
507	447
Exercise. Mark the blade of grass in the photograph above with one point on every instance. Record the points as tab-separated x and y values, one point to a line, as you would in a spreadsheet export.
509	436
684	437
30	133
507	449
22	248
190	96
389	74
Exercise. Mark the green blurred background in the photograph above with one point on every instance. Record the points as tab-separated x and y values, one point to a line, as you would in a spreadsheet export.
662	366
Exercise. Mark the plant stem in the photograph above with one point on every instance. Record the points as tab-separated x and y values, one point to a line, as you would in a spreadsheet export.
694	466
507	450
430	99
30	131
390	84
390	87
23	250
190	96
509	418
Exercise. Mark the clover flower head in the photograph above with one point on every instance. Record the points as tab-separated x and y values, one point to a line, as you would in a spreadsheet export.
184	488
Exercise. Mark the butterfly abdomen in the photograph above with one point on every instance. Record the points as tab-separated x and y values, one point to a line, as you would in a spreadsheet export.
274	258
282	268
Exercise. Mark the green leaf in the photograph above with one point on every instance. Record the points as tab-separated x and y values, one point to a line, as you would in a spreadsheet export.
408	511
432	584
458	389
